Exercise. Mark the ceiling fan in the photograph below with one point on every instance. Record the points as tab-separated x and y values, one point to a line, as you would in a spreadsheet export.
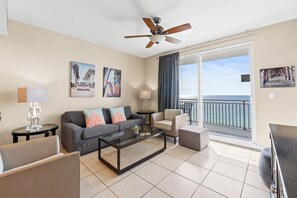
159	34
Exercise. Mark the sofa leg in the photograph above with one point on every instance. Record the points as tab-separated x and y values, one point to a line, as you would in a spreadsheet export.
174	140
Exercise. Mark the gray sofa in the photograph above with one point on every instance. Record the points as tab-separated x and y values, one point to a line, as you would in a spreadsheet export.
76	137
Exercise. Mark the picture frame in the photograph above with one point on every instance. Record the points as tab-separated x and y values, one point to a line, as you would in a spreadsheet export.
111	82
82	80
277	77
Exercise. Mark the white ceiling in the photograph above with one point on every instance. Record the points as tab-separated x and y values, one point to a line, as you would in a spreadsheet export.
106	22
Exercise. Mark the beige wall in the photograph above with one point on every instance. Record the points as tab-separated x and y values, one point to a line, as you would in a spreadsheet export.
151	80
274	45
31	56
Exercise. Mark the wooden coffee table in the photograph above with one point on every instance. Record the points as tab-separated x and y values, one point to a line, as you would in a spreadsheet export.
122	139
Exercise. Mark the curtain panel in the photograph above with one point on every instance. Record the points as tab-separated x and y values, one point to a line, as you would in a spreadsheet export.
168	85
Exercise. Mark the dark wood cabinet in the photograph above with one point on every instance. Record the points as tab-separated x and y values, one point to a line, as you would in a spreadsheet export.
277	184
283	161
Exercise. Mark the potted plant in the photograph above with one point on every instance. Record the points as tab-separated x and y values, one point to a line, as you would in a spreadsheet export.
136	129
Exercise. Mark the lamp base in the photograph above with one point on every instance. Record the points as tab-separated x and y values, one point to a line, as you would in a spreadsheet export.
145	104
33	117
35	127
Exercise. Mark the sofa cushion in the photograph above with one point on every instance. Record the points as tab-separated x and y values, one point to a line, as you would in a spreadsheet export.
98	130
15	155
117	114
129	123
128	112
106	115
94	117
163	124
169	114
56	156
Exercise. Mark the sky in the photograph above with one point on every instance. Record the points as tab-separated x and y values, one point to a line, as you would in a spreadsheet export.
219	77
83	68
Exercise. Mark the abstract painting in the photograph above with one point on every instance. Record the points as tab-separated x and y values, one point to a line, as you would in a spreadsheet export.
111	82
82	80
277	77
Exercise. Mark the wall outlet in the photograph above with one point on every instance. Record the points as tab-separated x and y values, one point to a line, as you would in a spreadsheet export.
271	95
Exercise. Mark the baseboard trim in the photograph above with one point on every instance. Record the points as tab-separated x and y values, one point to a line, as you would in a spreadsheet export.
236	142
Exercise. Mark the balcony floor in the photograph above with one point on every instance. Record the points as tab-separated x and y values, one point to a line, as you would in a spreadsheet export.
226	131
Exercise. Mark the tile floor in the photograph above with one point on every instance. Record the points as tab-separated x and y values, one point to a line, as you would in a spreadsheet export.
220	170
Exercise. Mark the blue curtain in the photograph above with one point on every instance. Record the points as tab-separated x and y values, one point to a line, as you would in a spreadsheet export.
168	88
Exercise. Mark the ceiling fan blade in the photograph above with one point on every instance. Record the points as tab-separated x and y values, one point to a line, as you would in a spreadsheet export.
138	36
172	40
150	44
179	28
150	24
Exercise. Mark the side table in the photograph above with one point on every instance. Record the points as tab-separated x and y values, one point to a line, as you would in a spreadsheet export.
146	112
46	129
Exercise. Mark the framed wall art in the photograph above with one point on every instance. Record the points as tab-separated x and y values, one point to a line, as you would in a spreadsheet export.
111	82
82	80
277	77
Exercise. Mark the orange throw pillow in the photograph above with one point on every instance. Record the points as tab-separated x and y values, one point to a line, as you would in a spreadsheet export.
94	117
117	114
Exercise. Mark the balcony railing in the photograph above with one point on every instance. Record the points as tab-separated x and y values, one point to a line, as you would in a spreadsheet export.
230	113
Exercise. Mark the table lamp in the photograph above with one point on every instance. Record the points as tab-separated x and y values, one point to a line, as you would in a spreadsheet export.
33	96
145	95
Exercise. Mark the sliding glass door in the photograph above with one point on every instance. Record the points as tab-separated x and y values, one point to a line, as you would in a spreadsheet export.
217	86
226	92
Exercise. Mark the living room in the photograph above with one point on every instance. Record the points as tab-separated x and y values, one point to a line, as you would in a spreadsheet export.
38	53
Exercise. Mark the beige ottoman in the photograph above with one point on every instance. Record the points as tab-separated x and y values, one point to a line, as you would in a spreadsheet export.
194	137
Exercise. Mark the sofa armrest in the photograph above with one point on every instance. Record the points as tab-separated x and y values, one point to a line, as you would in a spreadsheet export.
55	177
179	122
70	136
157	117
137	116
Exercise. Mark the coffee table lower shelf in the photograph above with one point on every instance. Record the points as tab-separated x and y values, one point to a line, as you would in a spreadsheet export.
118	169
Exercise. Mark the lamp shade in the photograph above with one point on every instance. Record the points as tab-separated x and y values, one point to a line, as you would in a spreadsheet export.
145	94
157	38
26	94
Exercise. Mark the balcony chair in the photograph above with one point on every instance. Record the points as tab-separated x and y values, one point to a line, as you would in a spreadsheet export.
36	168
171	120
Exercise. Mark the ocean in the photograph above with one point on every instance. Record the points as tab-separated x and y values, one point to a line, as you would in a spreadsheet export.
218	97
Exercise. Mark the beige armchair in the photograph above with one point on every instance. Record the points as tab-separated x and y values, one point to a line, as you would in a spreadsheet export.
171	120
36	168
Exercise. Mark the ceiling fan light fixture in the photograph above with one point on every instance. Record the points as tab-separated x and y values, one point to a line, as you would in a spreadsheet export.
159	34
157	38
